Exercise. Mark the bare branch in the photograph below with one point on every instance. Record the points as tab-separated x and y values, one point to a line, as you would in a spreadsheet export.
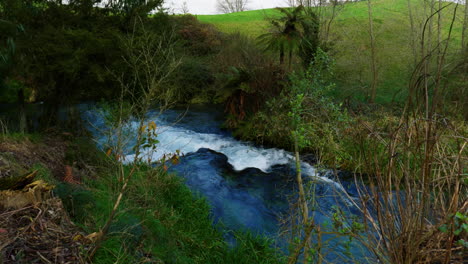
231	6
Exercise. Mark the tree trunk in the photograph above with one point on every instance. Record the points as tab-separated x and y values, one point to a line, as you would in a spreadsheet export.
297	251
412	34
290	59
302	199
327	31
439	37
22	112
465	29
281	54
373	91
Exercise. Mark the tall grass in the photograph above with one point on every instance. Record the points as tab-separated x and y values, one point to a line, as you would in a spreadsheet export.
417	205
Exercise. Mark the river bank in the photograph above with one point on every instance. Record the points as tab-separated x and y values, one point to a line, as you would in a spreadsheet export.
161	221
222	200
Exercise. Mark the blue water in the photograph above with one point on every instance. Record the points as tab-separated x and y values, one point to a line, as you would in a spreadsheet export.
247	186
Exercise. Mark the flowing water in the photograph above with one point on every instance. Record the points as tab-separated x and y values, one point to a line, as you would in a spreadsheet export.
248	187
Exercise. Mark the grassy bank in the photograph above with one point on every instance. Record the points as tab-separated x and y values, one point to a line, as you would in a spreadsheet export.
159	221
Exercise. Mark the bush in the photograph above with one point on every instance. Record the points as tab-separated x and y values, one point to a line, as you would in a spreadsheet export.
321	119
198	38
194	79
247	77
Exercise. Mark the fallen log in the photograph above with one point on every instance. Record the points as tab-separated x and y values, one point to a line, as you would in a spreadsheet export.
17	182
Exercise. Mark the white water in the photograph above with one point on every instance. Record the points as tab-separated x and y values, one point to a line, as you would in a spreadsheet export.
241	155
189	138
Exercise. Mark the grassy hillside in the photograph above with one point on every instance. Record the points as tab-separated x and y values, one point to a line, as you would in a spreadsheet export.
349	35
252	22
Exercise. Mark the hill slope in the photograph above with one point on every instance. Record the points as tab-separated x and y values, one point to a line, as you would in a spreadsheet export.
350	40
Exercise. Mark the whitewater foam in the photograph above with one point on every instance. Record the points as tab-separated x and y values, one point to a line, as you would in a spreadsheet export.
241	155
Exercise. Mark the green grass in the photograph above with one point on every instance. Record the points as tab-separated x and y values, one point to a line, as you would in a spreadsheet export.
44	173
350	43
253	23
158	220
19	137
352	14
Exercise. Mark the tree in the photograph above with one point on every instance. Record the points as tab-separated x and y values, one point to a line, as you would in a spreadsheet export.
7	62
285	33
293	31
133	7
373	91
184	8
309	115
464	43
152	62
310	41
231	6
7	48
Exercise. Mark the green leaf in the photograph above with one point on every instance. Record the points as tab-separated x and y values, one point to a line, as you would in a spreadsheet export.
465	227
443	228
462	217
462	243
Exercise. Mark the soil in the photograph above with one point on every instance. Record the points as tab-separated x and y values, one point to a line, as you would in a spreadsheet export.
39	232
50	152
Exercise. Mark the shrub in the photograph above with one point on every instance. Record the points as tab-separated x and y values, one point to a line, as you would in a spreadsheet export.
193	79
247	77
199	38
321	118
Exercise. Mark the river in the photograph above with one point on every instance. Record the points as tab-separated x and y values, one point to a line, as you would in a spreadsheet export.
248	187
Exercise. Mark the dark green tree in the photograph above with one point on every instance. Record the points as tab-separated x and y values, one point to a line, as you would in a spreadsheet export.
8	31
310	41
294	31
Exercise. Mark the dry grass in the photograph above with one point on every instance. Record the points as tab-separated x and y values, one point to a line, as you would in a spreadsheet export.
417	187
40	233
50	152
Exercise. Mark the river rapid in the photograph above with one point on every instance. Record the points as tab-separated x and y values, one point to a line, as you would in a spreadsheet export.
249	187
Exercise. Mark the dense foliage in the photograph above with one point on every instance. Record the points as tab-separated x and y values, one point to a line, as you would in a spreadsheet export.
65	53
